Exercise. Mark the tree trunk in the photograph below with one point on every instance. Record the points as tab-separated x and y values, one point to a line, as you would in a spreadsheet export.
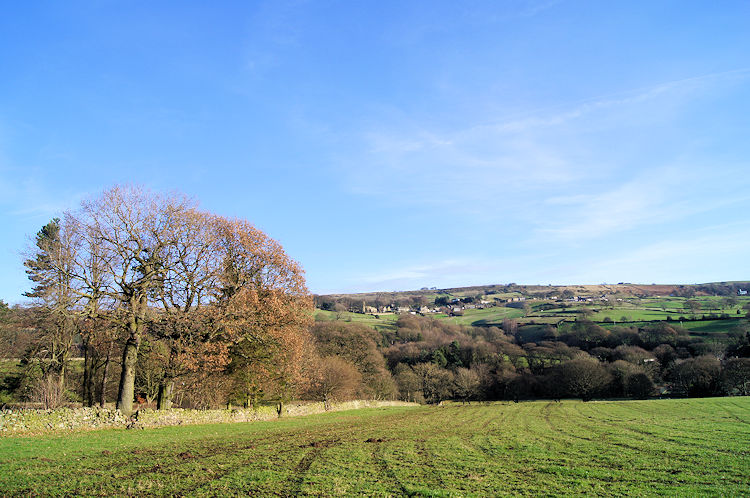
105	374
126	391
164	397
61	379
88	398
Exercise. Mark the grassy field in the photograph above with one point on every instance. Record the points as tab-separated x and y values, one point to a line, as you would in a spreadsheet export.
629	310
487	316
698	327
648	309
384	321
622	448
10	370
712	326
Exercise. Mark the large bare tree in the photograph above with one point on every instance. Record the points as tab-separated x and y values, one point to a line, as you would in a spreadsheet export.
131	231
155	266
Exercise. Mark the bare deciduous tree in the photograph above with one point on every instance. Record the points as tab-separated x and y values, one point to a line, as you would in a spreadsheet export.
197	284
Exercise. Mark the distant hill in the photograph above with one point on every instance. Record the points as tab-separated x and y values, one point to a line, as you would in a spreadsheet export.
546	291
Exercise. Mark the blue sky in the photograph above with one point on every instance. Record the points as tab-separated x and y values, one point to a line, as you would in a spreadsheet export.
395	145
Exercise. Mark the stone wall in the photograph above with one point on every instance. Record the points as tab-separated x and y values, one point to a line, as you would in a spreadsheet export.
30	422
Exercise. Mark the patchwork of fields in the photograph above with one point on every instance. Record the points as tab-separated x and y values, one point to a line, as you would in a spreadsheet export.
697	447
629	312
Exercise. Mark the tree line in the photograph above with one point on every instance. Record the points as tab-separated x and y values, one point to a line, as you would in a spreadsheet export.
434	360
427	360
166	303
165	292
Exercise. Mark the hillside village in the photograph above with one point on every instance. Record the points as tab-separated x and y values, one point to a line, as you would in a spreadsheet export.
455	301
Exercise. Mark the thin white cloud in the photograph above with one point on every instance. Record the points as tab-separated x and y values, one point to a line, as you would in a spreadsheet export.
34	200
529	161
564	113
534	8
436	273
656	197
709	255
639	201
422	271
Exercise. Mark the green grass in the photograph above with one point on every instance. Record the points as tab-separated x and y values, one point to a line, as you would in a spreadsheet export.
385	321
9	366
486	316
714	325
719	328
631	315
636	311
10	371
624	448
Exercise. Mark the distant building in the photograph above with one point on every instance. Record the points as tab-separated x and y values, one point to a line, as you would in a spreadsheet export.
741	292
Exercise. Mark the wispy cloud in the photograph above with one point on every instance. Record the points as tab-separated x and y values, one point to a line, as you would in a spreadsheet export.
32	200
452	272
564	113
646	199
547	159
707	255
533	8
436	273
421	271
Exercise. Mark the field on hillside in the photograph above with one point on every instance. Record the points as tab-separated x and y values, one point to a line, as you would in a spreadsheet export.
634	309
479	317
677	447
630	311
383	321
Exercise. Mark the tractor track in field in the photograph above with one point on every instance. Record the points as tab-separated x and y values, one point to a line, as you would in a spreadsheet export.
168	462
171	463
733	415
658	438
378	456
494	419
339	433
303	466
546	414
298	471
428	459
593	447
